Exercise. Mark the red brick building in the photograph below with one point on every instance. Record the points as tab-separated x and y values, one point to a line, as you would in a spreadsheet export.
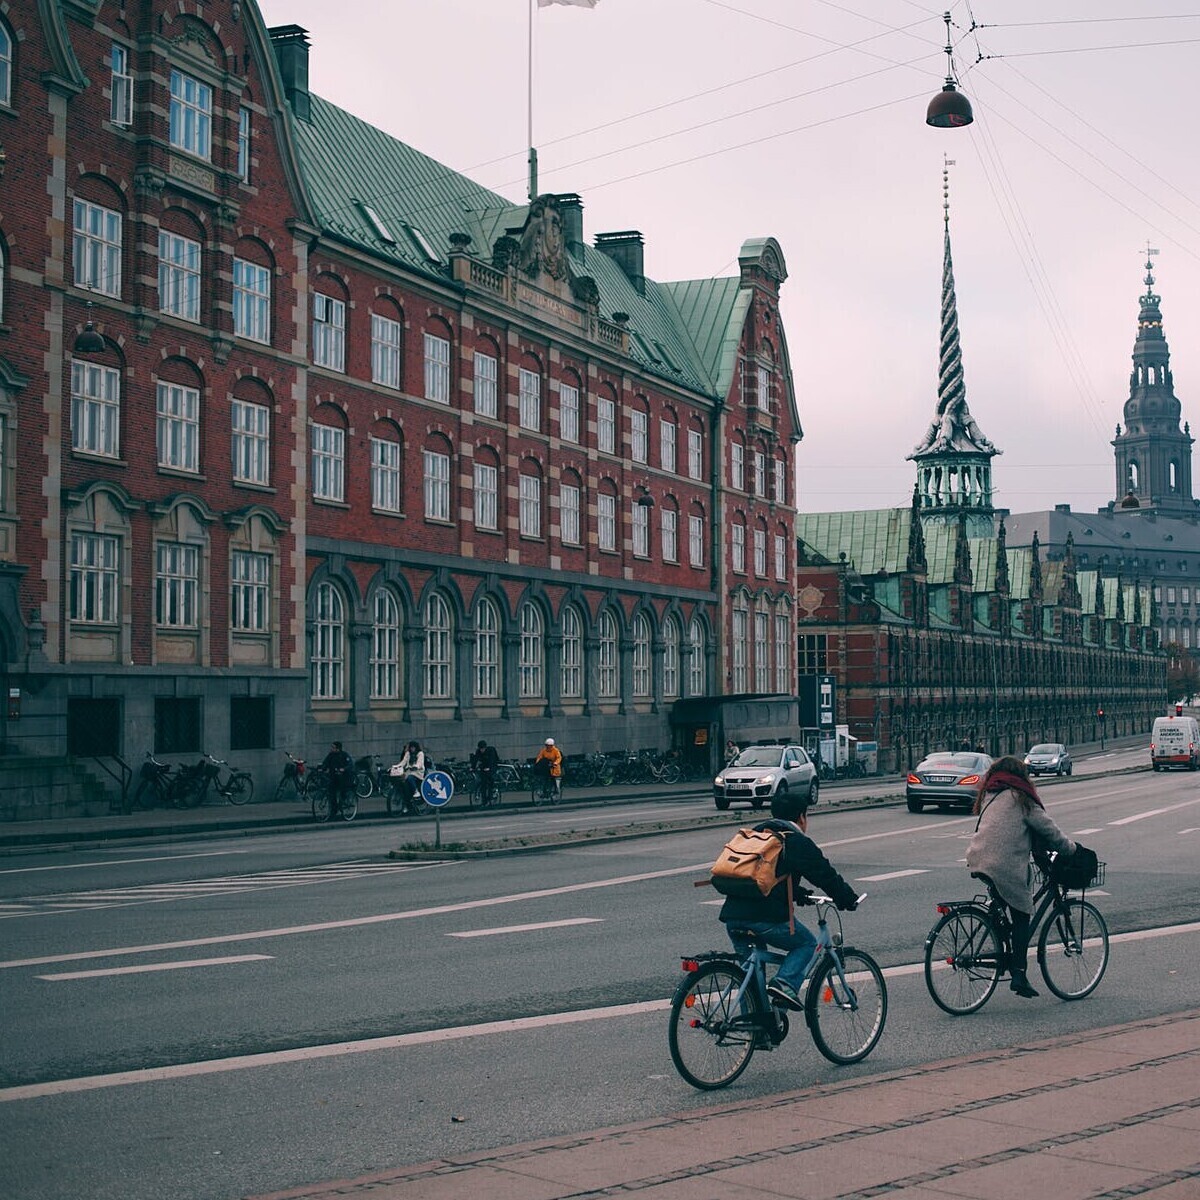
361	448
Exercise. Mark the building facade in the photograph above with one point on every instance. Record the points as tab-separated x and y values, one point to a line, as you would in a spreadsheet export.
307	436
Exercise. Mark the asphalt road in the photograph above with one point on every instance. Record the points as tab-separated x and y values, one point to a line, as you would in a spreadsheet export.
291	1008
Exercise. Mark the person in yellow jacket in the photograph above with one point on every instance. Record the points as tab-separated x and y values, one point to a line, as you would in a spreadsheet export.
550	759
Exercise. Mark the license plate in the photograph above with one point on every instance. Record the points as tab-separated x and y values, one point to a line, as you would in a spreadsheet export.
942	778
738	787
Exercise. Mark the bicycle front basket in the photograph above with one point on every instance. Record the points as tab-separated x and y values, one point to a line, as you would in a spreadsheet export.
1080	870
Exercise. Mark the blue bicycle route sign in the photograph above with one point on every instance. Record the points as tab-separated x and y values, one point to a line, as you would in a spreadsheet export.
436	788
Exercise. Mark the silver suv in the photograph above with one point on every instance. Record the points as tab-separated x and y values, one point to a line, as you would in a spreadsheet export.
761	772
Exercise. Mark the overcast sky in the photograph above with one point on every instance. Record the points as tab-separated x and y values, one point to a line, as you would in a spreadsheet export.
702	123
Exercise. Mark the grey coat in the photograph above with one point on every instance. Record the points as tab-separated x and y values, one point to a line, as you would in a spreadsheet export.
1006	833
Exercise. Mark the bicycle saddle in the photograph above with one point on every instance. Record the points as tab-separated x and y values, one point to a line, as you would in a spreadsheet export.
981	876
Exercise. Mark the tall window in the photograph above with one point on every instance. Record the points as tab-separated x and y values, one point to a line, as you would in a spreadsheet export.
780	481
738	546
178	276
328	463
328	671
760	473
760	552
329	332
606	521
762	654
243	144
568	513
191	115
529	388
437	486
250	441
439	661
120	104
695	453
251	301
385	475
94	578
176	585
530	665
531	506
696	540
572	654
487	650
780	556
740	634
486	487
385	351
485	385
609	675
606	425
437	368
641	530
737	466
697	666
670	535
96	248
783	653
95	409
5	67
250	591
641	656
178	427
640	423
666	444
814	653
568	412
764	389
385	647
670	661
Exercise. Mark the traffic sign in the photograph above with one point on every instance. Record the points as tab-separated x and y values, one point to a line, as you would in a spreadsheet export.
436	788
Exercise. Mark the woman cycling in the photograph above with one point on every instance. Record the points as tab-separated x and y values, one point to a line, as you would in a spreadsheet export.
1013	822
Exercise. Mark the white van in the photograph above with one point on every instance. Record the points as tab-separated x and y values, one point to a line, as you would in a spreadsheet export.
1175	742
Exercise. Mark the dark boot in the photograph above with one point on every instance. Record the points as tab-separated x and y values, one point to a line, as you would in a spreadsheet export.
1020	984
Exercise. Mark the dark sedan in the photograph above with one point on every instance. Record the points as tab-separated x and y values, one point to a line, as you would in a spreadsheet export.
946	778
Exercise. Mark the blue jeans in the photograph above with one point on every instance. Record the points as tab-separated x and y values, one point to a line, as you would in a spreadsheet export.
799	946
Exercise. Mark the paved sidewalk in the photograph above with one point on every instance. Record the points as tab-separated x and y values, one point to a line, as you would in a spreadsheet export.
1106	1115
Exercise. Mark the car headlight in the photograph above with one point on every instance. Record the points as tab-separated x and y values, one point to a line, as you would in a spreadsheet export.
769	777
719	781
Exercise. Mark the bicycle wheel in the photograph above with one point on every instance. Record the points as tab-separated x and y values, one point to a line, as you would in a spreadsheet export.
1073	949
710	1036
846	1012
145	795
364	785
348	805
671	773
285	785
241	788
962	961
320	802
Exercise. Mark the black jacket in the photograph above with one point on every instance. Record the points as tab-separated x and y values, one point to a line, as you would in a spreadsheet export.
486	759
802	859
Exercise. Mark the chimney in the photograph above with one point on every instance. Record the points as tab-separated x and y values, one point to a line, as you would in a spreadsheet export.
626	250
570	207
291	53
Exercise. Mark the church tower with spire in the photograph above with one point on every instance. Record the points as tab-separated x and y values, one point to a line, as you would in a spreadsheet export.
954	461
1153	455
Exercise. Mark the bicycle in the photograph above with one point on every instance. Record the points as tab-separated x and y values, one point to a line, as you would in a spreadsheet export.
156	787
368	777
661	768
544	788
721	1012
293	778
969	948
485	791
193	787
401	799
325	804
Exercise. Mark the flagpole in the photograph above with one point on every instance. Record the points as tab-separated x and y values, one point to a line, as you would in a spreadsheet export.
532	151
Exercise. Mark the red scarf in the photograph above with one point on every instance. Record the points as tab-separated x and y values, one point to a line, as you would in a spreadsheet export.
1002	780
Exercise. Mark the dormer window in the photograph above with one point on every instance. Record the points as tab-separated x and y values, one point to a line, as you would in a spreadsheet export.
191	115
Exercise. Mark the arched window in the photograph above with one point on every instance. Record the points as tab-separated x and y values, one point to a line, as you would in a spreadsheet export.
783	651
740	638
385	647
670	667
329	644
1173	476
5	66
697	653
572	654
1133	475
641	656
762	651
487	650
439	652
609	667
530	675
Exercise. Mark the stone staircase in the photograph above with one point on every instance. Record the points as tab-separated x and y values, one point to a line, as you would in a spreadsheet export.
45	789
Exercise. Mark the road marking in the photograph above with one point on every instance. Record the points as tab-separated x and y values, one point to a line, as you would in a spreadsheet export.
220	1066
1154	812
118	862
474	933
1192	829
889	875
1085	832
167	966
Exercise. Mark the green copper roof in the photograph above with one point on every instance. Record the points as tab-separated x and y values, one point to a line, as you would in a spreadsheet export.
875	541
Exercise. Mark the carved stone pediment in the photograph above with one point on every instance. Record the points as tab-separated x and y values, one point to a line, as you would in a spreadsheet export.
543	248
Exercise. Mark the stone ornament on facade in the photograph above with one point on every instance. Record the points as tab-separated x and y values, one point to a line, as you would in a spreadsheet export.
543	248
809	599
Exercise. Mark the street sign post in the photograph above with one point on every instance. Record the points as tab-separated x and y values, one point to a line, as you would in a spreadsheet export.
436	789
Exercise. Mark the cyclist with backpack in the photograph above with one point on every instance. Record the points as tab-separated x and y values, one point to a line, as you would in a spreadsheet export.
340	767
770	916
485	760
549	763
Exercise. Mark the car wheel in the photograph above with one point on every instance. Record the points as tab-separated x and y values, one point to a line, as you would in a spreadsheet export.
813	793
722	804
915	805
1070	768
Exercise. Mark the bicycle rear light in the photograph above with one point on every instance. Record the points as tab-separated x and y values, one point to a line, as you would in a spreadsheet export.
690	964
942	908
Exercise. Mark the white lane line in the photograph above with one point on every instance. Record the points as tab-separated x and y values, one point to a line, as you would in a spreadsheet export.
473	933
1085	832
1193	829
219	1066
118	862
167	966
1154	812
889	875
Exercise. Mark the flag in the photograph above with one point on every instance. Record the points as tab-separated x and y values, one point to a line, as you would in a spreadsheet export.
572	3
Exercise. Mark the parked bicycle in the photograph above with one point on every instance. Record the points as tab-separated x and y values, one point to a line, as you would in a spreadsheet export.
293	780
321	795
660	768
156	786
969	948
370	778
237	787
721	1012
